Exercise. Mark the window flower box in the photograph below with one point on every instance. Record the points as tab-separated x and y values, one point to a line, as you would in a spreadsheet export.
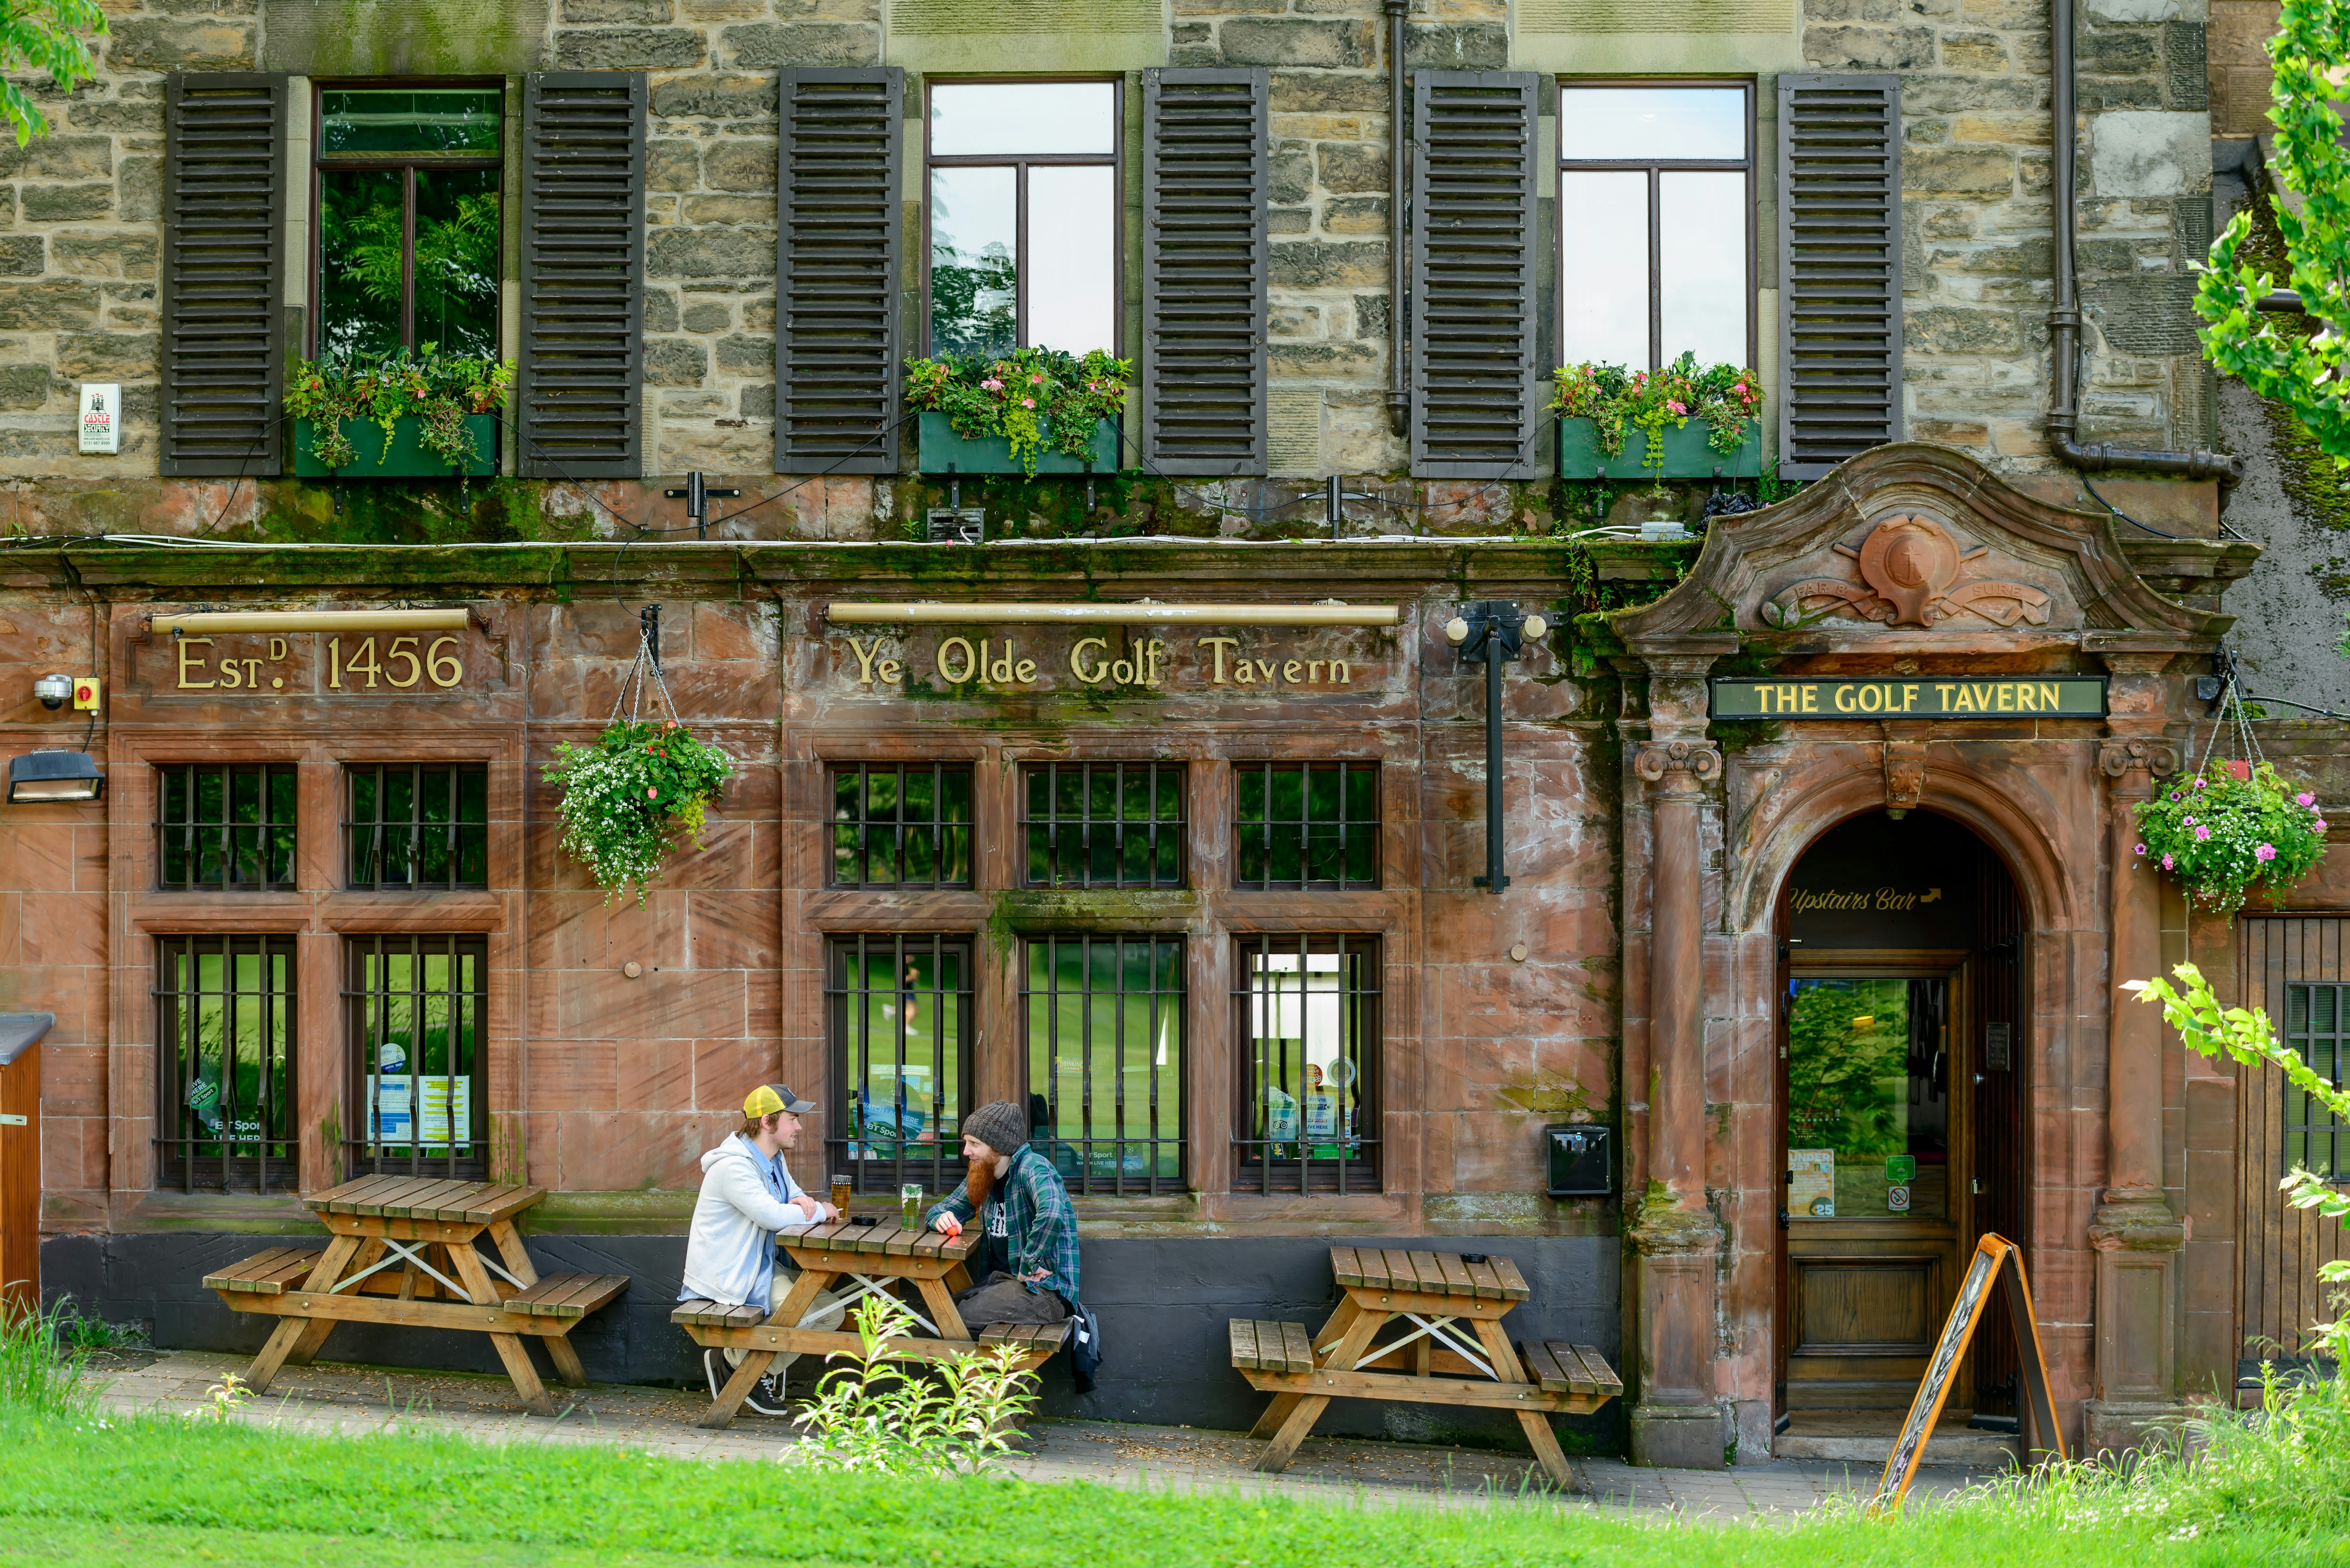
406	459
1688	453
943	451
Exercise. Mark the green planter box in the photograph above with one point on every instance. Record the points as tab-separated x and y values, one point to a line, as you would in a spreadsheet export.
406	459
1687	453
944	452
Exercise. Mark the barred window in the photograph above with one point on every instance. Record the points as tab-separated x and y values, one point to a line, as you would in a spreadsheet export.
224	1021
1104	825
1308	1007
226	827
900	1014
901	826
1103	1018
418	1106
1306	825
2315	1026
419	826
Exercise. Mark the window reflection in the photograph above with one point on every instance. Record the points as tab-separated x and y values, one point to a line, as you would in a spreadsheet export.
1648	125
1603	302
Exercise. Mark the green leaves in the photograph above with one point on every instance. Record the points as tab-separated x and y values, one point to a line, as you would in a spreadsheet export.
1025	397
439	388
39	36
1724	396
2217	834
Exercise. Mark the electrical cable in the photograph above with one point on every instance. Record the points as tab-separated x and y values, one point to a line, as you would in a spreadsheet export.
2120	513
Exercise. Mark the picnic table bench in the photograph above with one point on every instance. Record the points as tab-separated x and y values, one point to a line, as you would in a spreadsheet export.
867	1259
429	1228
1436	1293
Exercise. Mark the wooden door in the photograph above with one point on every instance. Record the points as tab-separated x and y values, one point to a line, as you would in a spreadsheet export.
20	1183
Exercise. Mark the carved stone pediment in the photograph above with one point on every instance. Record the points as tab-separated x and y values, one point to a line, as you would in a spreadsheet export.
1917	549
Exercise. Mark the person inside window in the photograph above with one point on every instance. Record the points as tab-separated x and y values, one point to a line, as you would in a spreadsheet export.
1026	1264
747	1198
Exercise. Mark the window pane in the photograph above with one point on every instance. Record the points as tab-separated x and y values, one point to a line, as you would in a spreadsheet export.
457	260
887	828
416	1067
900	1017
974	240
1649	124
1701	265
407	120
1072	258
1102	1018
980	118
359	255
224	1021
1603	267
1308	1017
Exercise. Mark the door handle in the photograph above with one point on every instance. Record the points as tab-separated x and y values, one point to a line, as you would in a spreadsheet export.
1980	1078
1783	1218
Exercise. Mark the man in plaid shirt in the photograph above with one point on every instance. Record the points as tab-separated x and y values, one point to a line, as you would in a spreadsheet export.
1027	1262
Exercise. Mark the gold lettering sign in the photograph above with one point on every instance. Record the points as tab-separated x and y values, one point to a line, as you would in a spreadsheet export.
268	666
1918	697
1099	661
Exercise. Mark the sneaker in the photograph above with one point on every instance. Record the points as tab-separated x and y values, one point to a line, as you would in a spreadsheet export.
766	1399
715	1367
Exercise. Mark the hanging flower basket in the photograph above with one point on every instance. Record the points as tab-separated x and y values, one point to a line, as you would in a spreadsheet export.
2217	831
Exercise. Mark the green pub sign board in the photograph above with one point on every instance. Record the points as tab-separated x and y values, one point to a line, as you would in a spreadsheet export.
1927	697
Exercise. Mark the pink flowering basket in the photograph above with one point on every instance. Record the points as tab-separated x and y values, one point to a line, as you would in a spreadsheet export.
2228	826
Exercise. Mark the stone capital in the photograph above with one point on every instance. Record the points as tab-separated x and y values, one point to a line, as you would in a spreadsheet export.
1677	764
2134	1221
1904	776
2136	764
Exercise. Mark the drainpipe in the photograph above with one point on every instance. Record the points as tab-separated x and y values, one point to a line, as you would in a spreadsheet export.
1399	198
2065	320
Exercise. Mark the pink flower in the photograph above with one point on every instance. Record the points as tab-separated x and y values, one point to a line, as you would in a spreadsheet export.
2305	798
2199	783
2141	850
2166	863
993	385
2265	852
1027	402
650	792
1675	406
2202	834
1036	380
2319	824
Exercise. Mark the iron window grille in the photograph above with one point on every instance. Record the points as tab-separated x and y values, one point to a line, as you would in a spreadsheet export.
2317	1027
224	1020
1104	825
901	1025
1102	1020
418	1005
228	827
417	826
1309	1009
1305	825
901	826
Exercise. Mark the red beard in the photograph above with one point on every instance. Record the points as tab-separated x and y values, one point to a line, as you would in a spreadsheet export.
978	1182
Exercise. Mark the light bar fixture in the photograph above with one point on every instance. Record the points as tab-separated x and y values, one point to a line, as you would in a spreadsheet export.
205	623
41	777
1142	613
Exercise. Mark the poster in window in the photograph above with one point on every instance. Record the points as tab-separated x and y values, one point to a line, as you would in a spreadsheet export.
1811	1182
1321	1116
394	1109
1280	1116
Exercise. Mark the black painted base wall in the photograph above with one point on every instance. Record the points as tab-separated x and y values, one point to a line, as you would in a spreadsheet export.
1163	1304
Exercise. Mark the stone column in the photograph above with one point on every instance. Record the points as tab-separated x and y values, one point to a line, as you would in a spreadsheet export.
2137	1238
1677	1237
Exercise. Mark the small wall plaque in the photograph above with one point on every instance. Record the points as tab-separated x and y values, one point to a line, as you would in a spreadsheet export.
101	416
1999	1056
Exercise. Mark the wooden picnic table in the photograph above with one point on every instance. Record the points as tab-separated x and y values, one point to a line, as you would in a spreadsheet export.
1433	1297
868	1260
403	1252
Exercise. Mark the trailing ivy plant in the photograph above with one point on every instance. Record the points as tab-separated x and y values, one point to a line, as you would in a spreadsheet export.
439	388
2217	834
1029	397
43	35
2276	356
1611	397
627	799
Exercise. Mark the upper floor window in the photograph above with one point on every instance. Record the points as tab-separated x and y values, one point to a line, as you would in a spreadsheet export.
1306	825
900	825
1104	825
1673	166
226	828
1023	216
415	826
407	203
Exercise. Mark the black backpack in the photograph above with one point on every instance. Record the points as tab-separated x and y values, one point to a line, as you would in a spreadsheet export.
1085	1345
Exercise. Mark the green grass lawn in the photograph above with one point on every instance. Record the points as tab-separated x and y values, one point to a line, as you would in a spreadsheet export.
168	1489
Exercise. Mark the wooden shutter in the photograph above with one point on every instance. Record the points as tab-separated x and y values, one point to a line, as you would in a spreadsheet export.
580	384
837	257
1839	269
1473	395
1206	185
222	297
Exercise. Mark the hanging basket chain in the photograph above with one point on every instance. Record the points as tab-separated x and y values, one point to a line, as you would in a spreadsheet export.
2231	707
633	685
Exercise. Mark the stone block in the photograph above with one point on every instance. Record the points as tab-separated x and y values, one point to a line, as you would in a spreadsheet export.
105	255
1944	330
1371	315
1355	215
1973	52
66	203
695	405
164	44
23	387
660	310
1962	170
578	13
1289	221
1855	11
57	157
140	182
107	356
759	402
717	98
672	165
2147	10
628	49
1333	46
1869	49
766	45
1353	166
24	255
745	164
1952	94
2150	153
2147	314
1295	321
1292	173
675	362
137	117
47	306
1315	264
2101	95
745	354
1322	361
2117	54
2185	66
759	311
1459	47
707	315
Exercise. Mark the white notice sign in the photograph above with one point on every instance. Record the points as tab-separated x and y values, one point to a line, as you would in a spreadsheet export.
101	416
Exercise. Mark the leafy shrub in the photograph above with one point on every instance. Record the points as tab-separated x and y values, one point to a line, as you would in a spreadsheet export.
40	1367
2217	834
879	1415
1611	397
620	795
1027	396
440	389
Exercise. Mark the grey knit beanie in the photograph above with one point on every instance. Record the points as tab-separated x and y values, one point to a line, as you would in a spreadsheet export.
1000	1125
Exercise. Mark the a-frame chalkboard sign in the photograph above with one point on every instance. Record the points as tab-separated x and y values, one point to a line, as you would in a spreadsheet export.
1995	1256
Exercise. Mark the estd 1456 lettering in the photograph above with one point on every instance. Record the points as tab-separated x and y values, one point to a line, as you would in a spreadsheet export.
403	663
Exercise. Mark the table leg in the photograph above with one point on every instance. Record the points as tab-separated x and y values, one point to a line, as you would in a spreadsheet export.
1308	1408
565	1359
314	1339
511	1349
1535	1423
1274	1414
518	1258
943	1311
290	1331
738	1388
1330	1333
1326	1339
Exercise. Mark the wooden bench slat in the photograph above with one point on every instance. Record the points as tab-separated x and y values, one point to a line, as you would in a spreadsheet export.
419	1201
1296	1348
1542	1368
486	1203
1578	1376
1514	1284
1431	1274
1601	1373
1243	1334
900	1243
446	1201
1456	1274
845	1239
930	1245
566	1295
1344	1268
265	1274
1372	1264
344	1200
1483	1280
696	1312
385	1201
877	1239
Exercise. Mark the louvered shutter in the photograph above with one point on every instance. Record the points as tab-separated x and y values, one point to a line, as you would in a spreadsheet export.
1206	183
837	255
222	295
579	387
1473	265
1839	269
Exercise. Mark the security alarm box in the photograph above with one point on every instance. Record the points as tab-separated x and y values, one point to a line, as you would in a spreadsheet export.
88	693
1579	1165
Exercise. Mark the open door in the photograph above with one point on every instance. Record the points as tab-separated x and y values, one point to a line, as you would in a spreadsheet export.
20	1159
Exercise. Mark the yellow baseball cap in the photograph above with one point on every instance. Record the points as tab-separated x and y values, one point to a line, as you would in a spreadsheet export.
769	1098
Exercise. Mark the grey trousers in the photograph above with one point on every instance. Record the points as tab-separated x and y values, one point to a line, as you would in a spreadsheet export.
825	1314
1002	1298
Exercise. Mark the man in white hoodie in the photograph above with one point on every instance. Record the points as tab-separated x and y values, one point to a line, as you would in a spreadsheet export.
747	1197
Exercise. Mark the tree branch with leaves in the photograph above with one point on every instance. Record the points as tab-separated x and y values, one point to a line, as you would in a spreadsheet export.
44	36
2246	1035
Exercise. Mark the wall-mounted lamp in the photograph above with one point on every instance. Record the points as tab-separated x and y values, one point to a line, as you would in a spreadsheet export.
1493	632
42	777
53	690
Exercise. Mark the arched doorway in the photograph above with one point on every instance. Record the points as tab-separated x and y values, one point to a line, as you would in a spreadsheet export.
1901	1106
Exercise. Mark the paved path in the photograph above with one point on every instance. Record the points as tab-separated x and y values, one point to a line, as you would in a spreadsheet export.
340	1398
